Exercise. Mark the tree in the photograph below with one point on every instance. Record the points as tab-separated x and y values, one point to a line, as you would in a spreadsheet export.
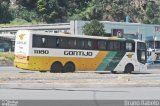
30	4
51	11
5	15
94	10
21	12
77	6
94	28
152	13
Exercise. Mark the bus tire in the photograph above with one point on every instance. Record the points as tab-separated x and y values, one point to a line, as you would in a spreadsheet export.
69	67
129	68
43	71
113	72
56	67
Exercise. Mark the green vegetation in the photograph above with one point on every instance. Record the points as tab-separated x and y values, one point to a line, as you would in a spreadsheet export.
94	28
6	57
52	11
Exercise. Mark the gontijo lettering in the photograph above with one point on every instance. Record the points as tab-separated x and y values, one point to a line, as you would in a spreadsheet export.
78	53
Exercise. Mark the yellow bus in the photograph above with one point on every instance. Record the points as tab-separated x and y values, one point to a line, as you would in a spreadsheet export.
43	51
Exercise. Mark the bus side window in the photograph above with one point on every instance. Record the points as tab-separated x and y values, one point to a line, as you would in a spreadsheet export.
102	45
39	41
114	45
63	43
57	42
107	45
122	47
80	43
117	45
51	42
110	45
36	41
72	43
89	44
95	44
130	46
44	41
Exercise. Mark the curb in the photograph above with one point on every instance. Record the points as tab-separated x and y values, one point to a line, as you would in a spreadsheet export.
69	85
151	66
3	63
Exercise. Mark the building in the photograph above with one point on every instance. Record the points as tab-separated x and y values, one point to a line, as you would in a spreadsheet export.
7	33
7	43
146	32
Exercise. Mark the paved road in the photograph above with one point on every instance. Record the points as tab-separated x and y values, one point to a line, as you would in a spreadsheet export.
12	69
152	75
101	93
74	96
152	69
110	93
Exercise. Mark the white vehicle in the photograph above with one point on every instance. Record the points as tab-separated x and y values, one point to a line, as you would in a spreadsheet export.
153	51
153	56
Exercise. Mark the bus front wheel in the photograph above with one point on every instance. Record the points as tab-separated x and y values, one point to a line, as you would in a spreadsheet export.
129	68
56	67
113	72
69	67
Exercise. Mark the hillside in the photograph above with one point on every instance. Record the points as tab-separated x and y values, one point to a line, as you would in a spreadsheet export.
51	11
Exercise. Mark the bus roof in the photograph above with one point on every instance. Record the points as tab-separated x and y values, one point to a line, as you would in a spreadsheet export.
75	36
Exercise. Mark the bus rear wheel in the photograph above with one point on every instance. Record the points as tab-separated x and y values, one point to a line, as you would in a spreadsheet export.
43	71
129	68
56	67
113	72
69	67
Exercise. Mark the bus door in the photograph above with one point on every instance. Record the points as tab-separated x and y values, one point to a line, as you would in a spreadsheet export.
141	54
